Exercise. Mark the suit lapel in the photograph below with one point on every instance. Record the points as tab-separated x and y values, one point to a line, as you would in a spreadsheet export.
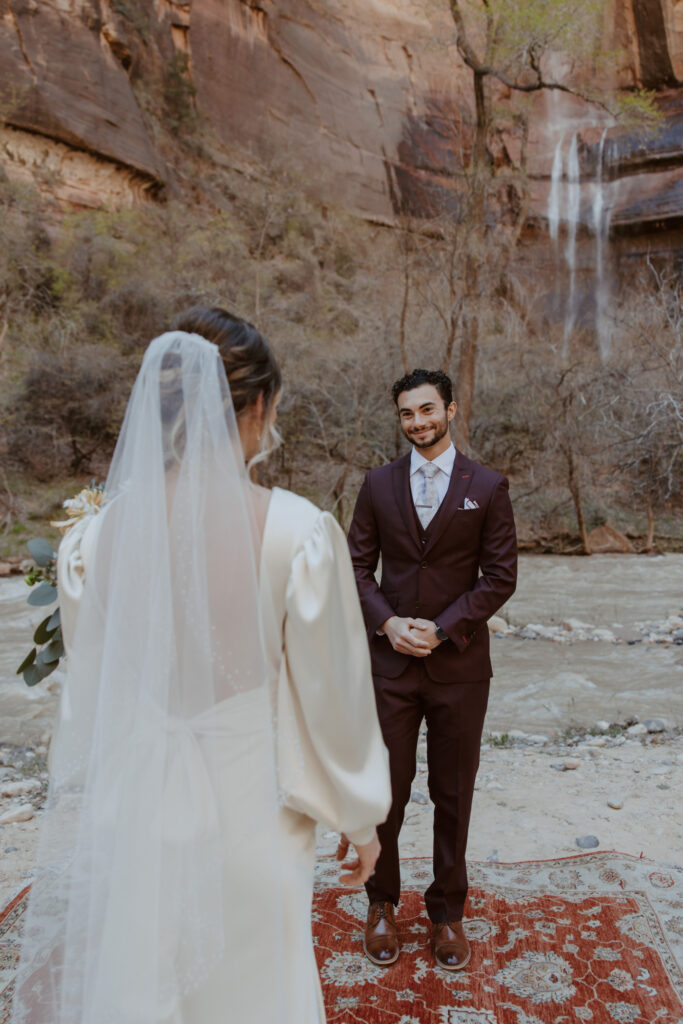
404	498
461	479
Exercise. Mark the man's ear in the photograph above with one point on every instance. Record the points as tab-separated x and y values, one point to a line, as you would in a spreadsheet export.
451	411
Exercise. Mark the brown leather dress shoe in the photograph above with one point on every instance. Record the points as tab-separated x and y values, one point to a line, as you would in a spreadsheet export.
451	948
380	940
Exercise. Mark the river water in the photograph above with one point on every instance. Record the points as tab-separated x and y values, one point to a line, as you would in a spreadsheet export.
538	686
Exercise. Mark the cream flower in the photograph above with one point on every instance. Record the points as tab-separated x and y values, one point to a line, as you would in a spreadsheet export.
86	502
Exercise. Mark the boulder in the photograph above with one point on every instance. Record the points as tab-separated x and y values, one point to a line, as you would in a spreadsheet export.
604	540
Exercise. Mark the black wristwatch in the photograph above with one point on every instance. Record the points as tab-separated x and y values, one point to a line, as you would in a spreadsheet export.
441	634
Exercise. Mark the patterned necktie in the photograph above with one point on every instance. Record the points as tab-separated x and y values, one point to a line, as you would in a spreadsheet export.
428	501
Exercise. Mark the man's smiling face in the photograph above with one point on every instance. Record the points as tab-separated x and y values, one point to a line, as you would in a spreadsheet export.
424	416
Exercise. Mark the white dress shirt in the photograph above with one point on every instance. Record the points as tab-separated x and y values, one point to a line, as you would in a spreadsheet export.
444	462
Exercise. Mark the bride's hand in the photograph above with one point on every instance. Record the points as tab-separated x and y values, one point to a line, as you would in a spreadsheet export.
362	866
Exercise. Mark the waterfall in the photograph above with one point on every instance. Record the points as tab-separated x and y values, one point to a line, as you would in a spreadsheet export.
564	205
601	222
573	211
554	200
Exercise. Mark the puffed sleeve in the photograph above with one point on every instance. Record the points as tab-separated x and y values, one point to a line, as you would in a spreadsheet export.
70	579
344	780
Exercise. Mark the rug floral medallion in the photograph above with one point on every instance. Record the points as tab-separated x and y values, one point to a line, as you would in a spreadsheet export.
595	938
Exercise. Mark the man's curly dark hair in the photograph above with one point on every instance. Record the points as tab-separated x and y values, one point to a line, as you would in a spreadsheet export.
438	378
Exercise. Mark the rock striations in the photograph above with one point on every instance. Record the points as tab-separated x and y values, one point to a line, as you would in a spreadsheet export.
364	97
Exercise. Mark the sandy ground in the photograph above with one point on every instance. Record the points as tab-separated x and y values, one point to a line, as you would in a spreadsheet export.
539	790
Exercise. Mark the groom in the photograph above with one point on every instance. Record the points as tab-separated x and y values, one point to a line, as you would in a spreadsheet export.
444	528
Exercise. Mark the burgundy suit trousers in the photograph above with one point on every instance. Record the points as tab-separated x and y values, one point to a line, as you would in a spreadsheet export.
454	714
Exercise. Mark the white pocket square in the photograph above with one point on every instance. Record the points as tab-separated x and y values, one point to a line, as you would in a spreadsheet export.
470	503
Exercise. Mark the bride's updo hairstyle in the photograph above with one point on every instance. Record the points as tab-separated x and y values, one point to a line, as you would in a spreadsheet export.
250	366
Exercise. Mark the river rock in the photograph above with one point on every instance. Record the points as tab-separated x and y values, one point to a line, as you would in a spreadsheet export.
639	729
418	798
602	725
615	803
23	812
655	724
577	625
497	624
604	634
587	842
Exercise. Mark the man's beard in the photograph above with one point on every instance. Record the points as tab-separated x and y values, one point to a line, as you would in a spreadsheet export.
441	431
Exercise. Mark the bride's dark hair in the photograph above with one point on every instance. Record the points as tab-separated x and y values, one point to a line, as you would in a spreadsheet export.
249	363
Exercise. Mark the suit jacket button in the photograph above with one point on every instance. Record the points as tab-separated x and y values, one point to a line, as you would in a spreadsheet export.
423	565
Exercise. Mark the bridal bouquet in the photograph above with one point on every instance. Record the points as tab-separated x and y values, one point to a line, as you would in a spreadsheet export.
44	657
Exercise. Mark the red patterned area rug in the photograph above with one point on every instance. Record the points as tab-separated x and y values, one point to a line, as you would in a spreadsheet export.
595	938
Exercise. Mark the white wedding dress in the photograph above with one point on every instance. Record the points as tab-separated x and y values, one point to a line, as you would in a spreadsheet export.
218	702
332	762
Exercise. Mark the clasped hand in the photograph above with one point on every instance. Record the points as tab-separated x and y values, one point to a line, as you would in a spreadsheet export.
416	637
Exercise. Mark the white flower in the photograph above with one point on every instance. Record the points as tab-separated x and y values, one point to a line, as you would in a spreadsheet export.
479	928
605	953
347	1002
621	980
625	1013
465	1015
350	969
540	977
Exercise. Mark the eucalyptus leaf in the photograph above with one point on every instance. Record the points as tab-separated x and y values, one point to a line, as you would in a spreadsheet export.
46	657
32	675
28	661
43	633
41	551
55	620
44	593
55	650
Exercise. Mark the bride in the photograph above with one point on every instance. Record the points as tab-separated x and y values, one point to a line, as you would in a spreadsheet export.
218	703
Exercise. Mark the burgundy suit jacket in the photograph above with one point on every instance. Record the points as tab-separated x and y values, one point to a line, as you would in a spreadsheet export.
458	574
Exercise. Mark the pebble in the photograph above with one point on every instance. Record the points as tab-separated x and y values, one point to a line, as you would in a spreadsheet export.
569	765
639	729
655	724
596	741
516	734
418	798
602	725
615	803
538	738
24	812
587	842
497	624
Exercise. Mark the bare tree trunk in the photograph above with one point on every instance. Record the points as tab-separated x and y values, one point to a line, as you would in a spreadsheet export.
467	366
575	491
404	314
650	539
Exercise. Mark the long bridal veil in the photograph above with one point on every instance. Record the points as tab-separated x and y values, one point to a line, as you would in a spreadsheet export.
166	703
